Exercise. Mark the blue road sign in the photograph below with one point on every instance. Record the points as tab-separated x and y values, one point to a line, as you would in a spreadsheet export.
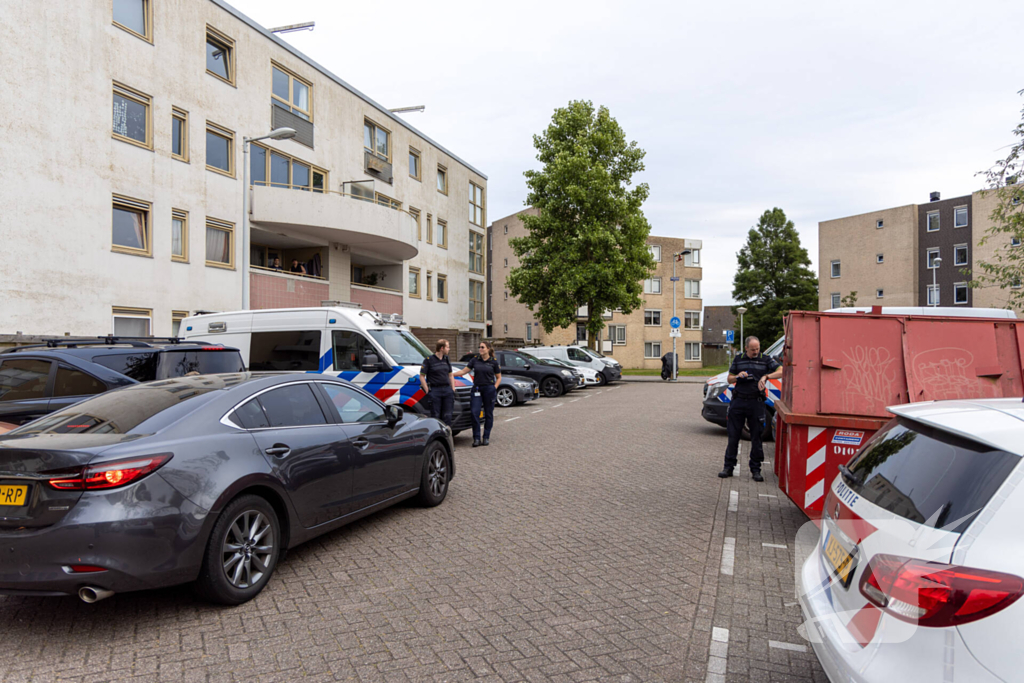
673	279
674	322
730	336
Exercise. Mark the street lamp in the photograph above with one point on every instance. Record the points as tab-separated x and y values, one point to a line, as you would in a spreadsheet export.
936	262
276	134
743	344
675	358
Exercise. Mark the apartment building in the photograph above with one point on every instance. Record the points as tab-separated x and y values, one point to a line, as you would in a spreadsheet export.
128	133
912	255
637	340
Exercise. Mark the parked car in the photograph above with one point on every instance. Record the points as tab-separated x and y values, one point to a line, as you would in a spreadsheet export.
587	376
204	479
608	369
39	379
552	379
919	561
512	390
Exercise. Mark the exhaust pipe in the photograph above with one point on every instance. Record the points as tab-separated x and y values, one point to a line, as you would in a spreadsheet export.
93	594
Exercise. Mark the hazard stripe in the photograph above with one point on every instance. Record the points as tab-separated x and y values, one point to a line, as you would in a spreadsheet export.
814	493
816	460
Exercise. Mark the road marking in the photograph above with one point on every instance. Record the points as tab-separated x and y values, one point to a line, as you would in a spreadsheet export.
558	406
734	500
574	400
538	411
587	396
766	495
513	418
717	660
787	646
728	555
773	545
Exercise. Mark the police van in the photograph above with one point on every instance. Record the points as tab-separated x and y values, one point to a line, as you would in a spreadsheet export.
376	352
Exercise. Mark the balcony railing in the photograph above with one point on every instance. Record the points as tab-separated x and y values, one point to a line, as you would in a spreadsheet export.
281	271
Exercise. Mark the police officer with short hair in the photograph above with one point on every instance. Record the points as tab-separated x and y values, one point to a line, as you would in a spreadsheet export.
750	372
438	382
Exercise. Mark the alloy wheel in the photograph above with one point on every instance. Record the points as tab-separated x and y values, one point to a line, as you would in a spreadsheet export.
248	548
437	471
505	397
552	387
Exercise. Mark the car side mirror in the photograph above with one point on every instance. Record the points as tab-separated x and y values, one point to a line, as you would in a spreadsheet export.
371	363
394	414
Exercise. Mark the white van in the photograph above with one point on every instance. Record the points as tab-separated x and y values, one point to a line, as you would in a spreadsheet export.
607	369
376	352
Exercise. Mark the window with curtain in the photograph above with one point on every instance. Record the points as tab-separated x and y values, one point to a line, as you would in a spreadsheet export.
130	226
219	243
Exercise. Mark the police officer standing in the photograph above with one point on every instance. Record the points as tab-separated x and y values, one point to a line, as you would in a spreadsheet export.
438	382
750	372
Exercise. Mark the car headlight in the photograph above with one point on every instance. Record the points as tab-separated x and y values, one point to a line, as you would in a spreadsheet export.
715	391
522	385
567	373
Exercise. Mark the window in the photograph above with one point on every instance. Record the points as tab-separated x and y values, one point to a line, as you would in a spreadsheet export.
692	259
220	243
131	117
617	335
960	255
506	295
932	255
384	200
476	301
179	134
506	229
506	263
430	229
430	286
442	288
250	416
933	221
476	204
352	406
879	293
349	350
220	55
529	332
23	378
652	349
132	322
691	320
442	233
960	217
179	235
879	258
652	285
933	295
652	318
879	224
692	289
415	213
134	16
131	227
1015	284
70	382
476	253
176	318
506	328
220	149
290	92
835	300
1014	241
960	293
270	167
289	350
376	140
691	351
442	179
655	252
836	269
293	405
414	163
414	282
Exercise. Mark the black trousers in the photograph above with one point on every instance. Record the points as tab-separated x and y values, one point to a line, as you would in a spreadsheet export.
749	412
483	399
442	403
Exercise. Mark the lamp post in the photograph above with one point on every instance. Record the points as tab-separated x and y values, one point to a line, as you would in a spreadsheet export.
937	261
741	310
675	358
276	134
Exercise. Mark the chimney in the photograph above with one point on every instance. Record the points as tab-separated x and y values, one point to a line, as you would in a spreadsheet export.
934	196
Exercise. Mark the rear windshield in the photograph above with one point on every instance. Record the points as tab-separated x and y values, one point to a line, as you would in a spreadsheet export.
154	365
928	476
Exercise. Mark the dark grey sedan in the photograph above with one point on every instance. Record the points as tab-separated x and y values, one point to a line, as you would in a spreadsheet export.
206	479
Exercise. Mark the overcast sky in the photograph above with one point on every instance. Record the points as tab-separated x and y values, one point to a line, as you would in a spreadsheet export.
822	109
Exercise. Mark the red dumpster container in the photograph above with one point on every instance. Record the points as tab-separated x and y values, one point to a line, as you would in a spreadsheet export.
841	370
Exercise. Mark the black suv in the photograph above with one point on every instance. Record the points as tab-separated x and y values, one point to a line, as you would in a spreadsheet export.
42	378
553	380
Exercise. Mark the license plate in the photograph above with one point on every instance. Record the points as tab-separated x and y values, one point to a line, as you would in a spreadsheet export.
536	391
843	563
14	496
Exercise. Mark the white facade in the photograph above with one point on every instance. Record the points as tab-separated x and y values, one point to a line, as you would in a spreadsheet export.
63	167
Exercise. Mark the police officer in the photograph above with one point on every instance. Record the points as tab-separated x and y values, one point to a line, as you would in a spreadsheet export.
750	372
438	382
486	378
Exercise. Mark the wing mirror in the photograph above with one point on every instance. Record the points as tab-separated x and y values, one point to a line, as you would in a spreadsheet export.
527	366
394	414
372	364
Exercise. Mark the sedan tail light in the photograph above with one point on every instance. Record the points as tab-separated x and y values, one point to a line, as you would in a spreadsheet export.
108	475
936	594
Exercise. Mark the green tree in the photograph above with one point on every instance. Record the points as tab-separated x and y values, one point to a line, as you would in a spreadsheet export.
588	245
1006	269
773	276
850	300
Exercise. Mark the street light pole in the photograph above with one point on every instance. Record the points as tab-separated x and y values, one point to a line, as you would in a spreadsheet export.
743	344
935	289
675	358
276	134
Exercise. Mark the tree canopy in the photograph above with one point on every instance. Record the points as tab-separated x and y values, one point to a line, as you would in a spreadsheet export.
773	276
588	245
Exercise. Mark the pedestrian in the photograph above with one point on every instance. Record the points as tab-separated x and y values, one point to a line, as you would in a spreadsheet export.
486	377
750	372
438	382
298	267
276	265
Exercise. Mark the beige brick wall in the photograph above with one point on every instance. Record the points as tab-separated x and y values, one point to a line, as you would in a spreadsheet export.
856	241
990	296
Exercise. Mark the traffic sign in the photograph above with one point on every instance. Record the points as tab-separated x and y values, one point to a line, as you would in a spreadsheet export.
675	332
673	279
675	322
730	336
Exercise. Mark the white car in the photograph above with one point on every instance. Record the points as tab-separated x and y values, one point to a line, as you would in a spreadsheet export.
916	572
590	376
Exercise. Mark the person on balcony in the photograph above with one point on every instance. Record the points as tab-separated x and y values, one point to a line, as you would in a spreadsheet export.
298	267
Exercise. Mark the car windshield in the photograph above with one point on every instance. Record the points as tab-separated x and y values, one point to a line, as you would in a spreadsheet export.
775	350
403	347
592	352
534	359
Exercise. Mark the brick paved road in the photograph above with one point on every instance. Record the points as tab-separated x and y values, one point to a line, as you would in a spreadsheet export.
586	543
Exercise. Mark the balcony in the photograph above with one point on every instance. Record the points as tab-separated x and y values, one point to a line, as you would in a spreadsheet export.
376	230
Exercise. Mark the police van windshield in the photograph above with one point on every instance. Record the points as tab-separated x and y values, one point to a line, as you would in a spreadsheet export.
403	347
775	350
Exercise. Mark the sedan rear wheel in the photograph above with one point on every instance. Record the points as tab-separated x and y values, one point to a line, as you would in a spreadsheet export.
436	472
552	387
242	552
506	397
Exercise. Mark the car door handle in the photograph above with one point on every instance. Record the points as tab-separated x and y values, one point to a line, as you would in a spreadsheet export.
278	449
361	443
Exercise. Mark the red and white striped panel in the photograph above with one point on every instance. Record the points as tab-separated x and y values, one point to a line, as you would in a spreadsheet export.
817	446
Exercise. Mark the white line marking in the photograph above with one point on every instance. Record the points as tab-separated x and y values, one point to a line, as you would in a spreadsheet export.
513	418
538	411
596	392
558	406
728	555
773	545
766	495
720	635
587	396
719	655
734	500
787	646
574	400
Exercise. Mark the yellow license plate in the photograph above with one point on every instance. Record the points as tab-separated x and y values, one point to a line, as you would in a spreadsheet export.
842	562
14	496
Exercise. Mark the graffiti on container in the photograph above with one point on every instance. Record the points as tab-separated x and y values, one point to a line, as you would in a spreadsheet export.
946	374
869	374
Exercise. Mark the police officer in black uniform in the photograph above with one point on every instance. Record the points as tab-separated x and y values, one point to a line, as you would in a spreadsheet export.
486	378
750	372
438	383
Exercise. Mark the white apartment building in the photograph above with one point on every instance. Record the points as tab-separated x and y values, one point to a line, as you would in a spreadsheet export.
122	181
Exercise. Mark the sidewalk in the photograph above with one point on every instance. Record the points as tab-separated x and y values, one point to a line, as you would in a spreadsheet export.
657	378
